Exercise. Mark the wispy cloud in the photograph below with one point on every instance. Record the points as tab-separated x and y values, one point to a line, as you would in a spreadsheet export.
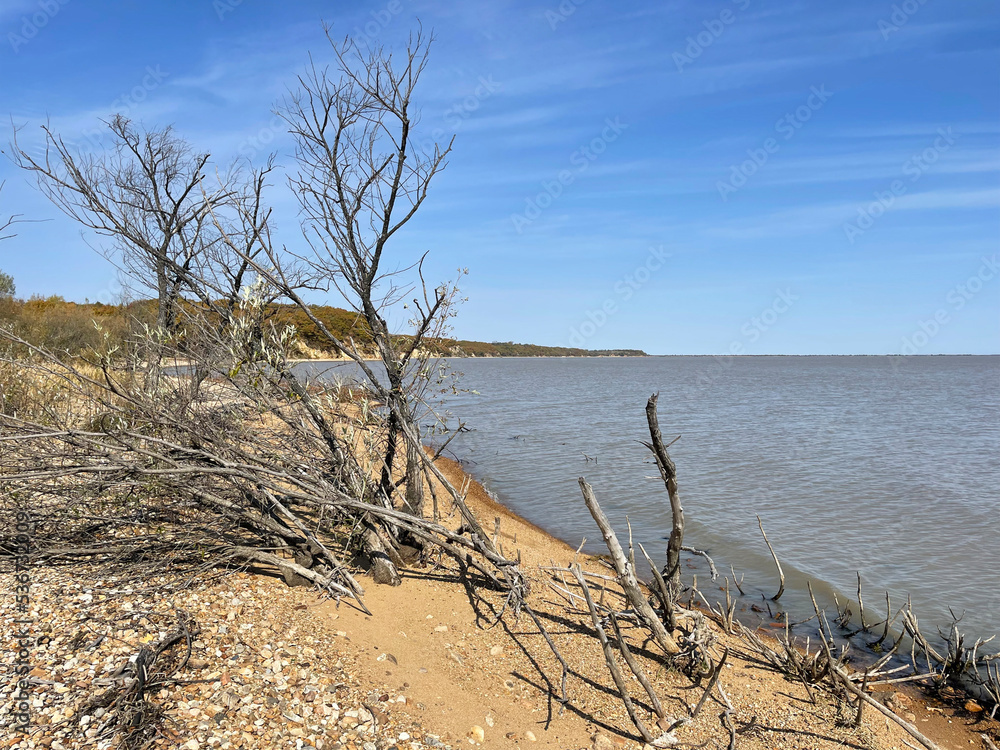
556	86
821	218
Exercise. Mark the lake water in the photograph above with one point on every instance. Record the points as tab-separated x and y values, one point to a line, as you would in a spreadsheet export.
883	466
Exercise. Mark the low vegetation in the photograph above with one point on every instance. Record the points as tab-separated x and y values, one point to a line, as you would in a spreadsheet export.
85	328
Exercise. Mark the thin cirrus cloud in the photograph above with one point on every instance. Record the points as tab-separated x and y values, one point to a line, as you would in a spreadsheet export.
820	218
555	78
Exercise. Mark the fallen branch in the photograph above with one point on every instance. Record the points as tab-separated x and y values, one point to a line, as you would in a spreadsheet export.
702	553
861	696
609	657
781	574
711	684
668	472
640	675
626	575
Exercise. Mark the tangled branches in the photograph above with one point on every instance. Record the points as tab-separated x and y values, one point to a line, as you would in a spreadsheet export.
684	638
128	713
689	644
249	465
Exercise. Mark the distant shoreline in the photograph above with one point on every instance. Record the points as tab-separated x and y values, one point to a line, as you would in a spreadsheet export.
504	356
649	356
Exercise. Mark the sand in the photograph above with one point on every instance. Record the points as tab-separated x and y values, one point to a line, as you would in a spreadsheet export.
462	672
430	667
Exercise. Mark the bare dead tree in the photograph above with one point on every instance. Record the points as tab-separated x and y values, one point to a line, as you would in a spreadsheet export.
197	243
149	194
668	472
212	244
684	637
120	472
362	176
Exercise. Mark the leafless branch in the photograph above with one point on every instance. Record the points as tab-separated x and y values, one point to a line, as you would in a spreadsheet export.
781	573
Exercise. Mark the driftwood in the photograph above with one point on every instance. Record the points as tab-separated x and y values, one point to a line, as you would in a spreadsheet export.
867	699
823	667
668	472
840	676
128	710
609	657
626	575
637	670
711	684
781	573
701	553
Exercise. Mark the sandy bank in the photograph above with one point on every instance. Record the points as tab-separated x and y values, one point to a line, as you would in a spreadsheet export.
430	667
463	672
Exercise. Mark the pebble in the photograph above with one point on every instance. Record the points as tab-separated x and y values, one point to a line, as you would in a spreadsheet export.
257	692
478	733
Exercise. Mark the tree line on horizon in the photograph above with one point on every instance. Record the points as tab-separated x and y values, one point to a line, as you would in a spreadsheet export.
77	328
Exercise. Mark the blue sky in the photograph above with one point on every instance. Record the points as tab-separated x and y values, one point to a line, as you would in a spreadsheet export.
731	176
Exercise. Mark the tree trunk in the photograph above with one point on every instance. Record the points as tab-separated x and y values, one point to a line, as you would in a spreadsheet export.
414	480
668	472
384	569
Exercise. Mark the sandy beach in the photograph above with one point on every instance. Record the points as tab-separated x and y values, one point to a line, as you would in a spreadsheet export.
429	667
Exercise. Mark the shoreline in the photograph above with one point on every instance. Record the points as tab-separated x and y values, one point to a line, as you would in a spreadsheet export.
444	660
297	360
821	586
933	716
430	667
